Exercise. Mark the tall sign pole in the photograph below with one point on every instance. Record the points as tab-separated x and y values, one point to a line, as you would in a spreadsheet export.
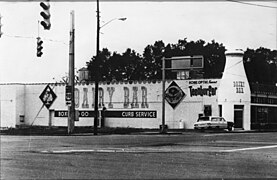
71	107
96	73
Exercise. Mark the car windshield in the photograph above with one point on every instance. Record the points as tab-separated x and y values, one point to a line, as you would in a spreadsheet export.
216	119
203	119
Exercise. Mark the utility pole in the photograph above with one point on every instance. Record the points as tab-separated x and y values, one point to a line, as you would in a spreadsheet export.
71	107
163	130
97	72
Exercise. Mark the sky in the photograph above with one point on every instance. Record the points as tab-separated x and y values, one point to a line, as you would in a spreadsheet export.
236	25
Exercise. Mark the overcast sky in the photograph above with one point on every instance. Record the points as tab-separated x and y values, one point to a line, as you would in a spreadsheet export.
235	25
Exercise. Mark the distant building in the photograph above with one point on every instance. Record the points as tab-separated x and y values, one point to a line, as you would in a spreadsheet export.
83	75
138	104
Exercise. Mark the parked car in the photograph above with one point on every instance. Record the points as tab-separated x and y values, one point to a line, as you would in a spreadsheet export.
213	122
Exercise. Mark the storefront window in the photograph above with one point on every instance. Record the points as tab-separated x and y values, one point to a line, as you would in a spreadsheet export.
262	115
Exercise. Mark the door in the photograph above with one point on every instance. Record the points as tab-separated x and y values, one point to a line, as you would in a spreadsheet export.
238	116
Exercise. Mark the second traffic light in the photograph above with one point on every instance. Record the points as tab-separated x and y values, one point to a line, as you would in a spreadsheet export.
46	15
39	47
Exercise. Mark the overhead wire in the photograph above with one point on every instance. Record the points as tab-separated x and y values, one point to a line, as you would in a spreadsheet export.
252	4
32	37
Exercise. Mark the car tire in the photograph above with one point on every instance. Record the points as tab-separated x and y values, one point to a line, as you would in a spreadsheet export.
230	128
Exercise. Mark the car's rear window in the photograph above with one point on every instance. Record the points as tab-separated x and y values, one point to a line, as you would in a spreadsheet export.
203	119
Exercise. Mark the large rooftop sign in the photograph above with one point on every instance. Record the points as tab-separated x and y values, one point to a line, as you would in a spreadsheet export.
185	62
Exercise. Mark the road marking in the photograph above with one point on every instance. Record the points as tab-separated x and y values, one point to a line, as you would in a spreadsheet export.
232	133
247	149
81	151
221	134
147	150
246	142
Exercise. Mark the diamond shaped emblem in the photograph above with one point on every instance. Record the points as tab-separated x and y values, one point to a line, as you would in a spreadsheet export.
47	96
174	95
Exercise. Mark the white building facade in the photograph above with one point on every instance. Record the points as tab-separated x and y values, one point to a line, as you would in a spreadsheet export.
135	104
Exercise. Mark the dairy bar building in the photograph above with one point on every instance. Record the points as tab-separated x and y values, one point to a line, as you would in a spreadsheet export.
138	104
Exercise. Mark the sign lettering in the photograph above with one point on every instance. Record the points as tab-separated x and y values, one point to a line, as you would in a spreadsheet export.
239	85
114	114
210	91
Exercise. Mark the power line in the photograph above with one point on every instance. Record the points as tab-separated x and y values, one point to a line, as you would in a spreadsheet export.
31	37
252	4
16	36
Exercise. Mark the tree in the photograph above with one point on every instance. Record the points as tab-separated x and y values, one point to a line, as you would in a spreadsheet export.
214	60
104	55
261	66
152	61
116	66
214	57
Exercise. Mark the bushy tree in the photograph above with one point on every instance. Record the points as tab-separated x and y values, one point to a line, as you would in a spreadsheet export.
213	53
260	64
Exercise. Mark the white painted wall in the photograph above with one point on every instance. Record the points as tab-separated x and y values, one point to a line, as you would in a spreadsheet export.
7	106
234	88
24	100
11	104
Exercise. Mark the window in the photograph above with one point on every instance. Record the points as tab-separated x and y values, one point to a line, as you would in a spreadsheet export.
207	110
215	119
203	119
21	118
220	110
262	114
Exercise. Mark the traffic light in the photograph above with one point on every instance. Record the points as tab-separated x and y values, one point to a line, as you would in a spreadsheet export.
0	26
39	47
46	15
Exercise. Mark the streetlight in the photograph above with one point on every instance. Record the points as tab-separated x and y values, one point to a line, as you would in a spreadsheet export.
121	19
97	65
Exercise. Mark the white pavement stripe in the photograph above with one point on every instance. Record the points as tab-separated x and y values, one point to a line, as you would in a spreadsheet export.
150	150
246	142
81	151
247	149
234	133
116	150
99	150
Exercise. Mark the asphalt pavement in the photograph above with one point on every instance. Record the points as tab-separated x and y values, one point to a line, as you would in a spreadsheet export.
175	155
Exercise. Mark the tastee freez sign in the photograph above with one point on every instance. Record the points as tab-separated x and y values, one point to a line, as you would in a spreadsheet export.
202	91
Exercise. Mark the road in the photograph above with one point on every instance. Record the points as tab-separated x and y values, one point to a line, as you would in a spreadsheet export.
148	156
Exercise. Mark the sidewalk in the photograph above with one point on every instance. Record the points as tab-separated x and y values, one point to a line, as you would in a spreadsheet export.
62	131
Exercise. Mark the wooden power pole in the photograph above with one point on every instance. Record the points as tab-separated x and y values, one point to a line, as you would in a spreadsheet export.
71	107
